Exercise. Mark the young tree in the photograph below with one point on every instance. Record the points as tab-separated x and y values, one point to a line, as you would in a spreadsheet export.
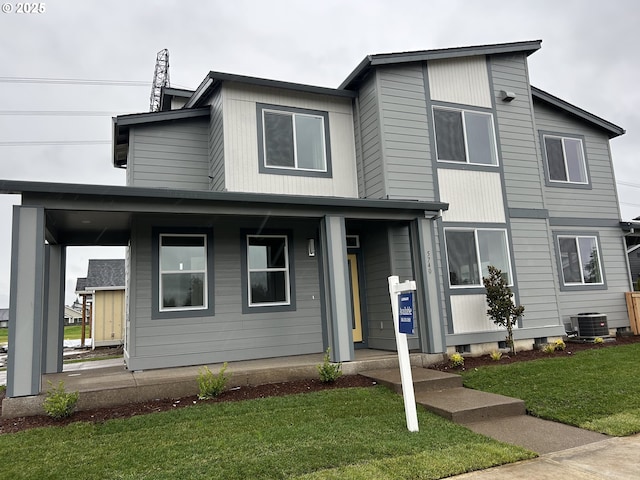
502	310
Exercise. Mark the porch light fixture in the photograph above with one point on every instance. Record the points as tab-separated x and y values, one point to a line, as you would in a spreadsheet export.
311	247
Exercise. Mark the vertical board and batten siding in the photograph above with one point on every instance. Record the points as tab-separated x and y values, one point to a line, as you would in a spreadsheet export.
377	270
534	259
460	80
216	145
371	182
473	196
108	317
523	172
170	155
469	314
229	335
241	143
598	202
404	127
611	301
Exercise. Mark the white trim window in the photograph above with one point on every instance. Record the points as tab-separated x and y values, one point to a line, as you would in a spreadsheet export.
268	270
565	159
470	251
465	136
183	272
294	141
580	259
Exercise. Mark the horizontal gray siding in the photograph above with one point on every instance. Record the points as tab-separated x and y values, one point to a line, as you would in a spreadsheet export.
216	145
229	335
598	202
534	261
523	174
405	133
377	270
610	301
170	155
370	170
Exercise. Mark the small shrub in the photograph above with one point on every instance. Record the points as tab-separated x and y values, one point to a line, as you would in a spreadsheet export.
59	403
560	345
211	385
549	348
496	355
329	372
598	340
457	360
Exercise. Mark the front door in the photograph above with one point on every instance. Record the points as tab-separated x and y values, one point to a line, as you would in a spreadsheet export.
352	260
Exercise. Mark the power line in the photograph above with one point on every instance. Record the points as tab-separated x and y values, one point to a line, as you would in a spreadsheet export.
61	113
32	143
629	184
74	81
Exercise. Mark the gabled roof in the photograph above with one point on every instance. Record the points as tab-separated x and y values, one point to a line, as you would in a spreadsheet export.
215	79
81	285
612	129
105	274
370	61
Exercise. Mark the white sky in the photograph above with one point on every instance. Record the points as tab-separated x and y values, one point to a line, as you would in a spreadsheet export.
589	57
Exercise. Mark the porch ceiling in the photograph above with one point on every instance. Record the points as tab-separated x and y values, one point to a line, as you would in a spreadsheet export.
86	227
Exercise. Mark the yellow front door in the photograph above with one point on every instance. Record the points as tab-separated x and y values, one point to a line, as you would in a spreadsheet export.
352	260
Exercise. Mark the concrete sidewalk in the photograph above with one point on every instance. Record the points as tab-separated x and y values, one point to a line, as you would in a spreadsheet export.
615	458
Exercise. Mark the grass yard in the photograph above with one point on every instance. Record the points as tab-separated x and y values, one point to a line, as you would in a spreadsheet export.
356	433
71	332
596	389
4	335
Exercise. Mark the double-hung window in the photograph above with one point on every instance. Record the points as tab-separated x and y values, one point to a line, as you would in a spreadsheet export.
565	160
470	252
465	136
182	272
580	260
268	270
293	141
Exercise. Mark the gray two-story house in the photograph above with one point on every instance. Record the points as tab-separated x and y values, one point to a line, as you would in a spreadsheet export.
263	218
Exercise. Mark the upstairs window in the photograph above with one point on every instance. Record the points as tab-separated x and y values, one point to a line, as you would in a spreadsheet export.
471	251
465	136
565	159
580	260
293	141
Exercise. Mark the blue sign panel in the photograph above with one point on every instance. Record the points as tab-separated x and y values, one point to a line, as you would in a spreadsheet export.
405	312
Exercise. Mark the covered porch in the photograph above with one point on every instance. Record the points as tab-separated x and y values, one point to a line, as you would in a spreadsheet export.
394	234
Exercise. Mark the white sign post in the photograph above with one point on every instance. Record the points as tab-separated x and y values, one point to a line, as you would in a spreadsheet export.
395	290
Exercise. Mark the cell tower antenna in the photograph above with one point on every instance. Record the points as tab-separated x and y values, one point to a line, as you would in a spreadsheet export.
160	79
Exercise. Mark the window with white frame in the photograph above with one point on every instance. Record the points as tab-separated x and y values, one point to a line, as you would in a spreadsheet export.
470	251
293	140
565	159
268	270
580	260
182	272
465	136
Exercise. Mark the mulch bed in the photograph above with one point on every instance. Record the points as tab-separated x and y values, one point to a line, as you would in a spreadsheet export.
12	425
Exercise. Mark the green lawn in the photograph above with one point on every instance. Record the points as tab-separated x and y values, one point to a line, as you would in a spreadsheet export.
71	332
595	389
345	433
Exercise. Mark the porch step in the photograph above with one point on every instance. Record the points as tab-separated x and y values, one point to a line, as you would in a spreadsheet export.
443	394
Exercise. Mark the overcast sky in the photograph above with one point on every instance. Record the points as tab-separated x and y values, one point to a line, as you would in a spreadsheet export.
589	57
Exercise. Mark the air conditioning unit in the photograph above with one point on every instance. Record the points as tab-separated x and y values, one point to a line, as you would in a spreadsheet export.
590	325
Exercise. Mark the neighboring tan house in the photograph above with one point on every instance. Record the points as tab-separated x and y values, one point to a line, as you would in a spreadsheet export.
4	317
104	288
263	218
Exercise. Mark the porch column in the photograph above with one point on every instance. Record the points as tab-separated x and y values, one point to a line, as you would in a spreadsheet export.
432	338
53	328
337	289
24	367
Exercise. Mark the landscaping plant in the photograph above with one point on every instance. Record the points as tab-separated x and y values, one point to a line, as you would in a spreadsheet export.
329	372
457	360
59	403
211	385
502	310
496	355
